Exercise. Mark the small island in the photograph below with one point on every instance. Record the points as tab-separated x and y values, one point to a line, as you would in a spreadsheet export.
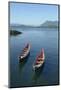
14	32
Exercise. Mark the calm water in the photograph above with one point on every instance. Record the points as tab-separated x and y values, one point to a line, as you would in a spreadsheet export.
22	74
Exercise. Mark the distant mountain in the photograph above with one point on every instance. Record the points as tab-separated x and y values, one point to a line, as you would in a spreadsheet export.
50	24
21	25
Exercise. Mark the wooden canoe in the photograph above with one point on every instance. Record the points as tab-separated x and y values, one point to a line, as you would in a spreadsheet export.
39	60
24	52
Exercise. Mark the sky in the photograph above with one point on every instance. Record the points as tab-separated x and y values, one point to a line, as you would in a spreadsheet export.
32	14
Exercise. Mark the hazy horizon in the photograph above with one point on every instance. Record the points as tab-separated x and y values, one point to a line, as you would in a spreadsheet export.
31	25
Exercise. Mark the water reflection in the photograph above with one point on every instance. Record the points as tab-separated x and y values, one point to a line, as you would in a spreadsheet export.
37	73
22	63
21	72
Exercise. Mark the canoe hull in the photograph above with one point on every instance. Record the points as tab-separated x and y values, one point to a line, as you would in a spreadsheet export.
39	69
22	59
23	56
38	66
40	60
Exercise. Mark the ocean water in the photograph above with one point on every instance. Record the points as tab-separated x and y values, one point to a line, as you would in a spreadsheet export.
22	74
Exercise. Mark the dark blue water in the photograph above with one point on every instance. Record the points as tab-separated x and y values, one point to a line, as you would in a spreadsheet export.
22	74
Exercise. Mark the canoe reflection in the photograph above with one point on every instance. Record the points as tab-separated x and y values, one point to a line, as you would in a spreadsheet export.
38	72
22	63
